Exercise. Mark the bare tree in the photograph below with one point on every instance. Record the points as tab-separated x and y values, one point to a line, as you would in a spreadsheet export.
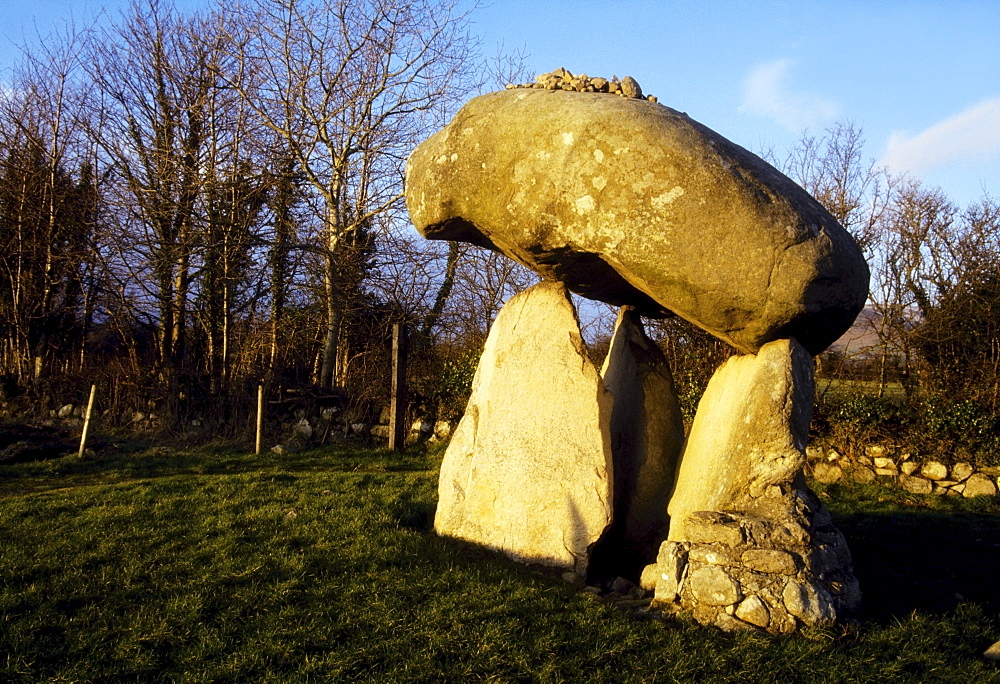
350	86
48	204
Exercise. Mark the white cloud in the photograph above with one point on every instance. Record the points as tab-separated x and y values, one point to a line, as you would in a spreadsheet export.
968	135
766	93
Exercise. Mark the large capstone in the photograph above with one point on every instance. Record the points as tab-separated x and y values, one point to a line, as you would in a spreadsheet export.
631	202
529	469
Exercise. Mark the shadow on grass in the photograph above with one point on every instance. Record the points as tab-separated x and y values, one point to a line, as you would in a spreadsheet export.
923	561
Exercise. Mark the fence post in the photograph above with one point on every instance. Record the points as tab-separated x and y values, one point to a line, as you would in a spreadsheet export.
397	409
260	416
86	420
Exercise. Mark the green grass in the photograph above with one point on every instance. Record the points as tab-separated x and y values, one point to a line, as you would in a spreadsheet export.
831	388
211	565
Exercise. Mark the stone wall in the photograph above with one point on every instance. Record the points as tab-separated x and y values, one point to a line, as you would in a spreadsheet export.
893	466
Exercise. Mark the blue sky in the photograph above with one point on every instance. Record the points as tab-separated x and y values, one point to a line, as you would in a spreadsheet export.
922	78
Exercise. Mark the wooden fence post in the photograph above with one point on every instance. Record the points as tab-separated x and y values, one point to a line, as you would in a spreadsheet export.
397	410
86	420
260	416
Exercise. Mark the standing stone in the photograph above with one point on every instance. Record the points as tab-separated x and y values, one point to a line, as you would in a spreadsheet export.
529	471
743	525
647	435
748	434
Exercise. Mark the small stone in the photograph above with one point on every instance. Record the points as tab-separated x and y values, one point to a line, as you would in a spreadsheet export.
961	472
652	98
727	623
711	555
710	527
713	587
886	472
827	473
979	485
862	475
630	87
916	484
621	585
650	574
754	611
909	467
834	455
442	429
770	561
303	430
993	652
815	453
810	604
670	562
571	577
884	462
65	411
875	451
934	470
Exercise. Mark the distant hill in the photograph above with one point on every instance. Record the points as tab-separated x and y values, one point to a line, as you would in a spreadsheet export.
861	339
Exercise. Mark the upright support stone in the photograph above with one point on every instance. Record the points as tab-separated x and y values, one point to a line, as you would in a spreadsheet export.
749	433
647	435
397	406
528	470
749	544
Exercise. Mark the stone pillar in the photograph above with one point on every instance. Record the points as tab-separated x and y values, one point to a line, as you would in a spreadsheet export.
529	471
647	435
749	544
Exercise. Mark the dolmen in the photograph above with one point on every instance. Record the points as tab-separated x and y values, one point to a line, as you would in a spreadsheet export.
613	196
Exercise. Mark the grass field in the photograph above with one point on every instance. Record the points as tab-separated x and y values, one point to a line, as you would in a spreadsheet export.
210	565
836	388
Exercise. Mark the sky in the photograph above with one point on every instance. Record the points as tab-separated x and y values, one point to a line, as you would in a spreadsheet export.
920	77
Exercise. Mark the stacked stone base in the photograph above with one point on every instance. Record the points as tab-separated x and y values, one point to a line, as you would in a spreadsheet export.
740	571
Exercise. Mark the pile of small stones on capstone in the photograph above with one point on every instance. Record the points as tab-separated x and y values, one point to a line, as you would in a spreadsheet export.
561	79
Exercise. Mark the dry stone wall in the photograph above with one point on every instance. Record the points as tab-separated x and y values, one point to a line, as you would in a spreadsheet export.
891	466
